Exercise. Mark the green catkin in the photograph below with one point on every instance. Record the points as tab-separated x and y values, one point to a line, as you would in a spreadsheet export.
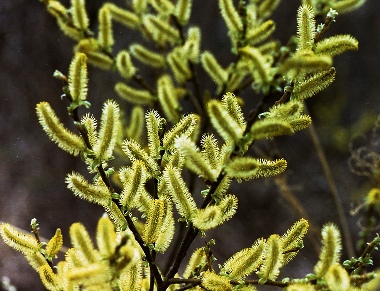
168	98
135	129
191	48
305	27
54	245
77	79
134	152
292	239
109	131
22	242
337	278
124	65
80	239
223	122
213	68
245	261
336	45
139	5
64	138
196	262
259	65
182	11
154	221
135	96
168	227
154	124
146	56
266	7
231	16
258	34
48	278
133	180
124	17
179	192
214	282
312	85
194	159
345	6
185	126
68	30
274	258
331	249
179	66
98	194
57	10
106	237
105	35
161	30
79	14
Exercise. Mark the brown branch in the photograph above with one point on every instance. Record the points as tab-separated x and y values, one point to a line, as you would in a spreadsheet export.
333	188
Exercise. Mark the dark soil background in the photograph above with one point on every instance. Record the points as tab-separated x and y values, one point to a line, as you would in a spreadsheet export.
32	168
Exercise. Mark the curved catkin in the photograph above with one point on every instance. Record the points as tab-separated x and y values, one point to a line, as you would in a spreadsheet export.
293	239
213	68
223	122
161	30
79	14
109	130
135	128
260	33
313	84
80	239
134	151
259	65
166	234
133	182
106	237
305	27
179	192
54	245
179	66
230	15
274	259
48	277
124	17
98	194
168	98
154	124
197	260
245	262
147	56
347	5
336	45
182	11
64	138
214	282
133	95
105	34
22	242
331	248
124	65
154	221
185	126
77	79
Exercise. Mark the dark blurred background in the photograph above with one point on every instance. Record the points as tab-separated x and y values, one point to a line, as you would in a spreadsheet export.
32	168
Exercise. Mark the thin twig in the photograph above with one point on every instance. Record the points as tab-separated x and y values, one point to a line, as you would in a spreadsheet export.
334	190
283	187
